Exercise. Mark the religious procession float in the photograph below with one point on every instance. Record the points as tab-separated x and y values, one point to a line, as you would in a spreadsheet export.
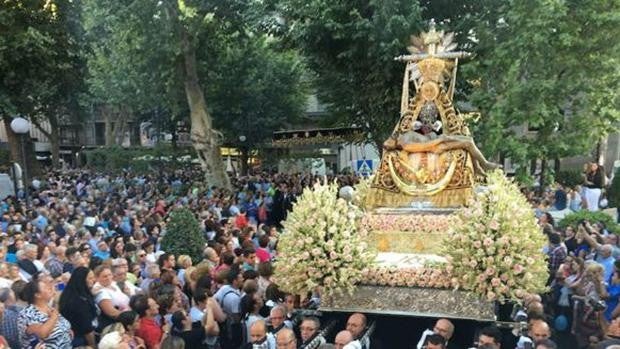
438	231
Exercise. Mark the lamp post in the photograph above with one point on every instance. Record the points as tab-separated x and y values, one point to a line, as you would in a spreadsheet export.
244	158
21	127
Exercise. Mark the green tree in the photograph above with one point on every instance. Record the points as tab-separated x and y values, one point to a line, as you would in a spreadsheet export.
183	235
351	46
41	66
258	88
206	58
549	66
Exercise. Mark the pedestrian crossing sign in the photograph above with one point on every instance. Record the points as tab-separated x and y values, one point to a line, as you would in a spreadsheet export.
363	167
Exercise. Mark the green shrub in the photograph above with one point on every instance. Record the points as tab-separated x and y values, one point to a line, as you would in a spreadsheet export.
569	178
573	220
139	160
183	235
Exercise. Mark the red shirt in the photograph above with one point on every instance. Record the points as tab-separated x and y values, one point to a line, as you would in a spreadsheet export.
150	332
263	255
241	221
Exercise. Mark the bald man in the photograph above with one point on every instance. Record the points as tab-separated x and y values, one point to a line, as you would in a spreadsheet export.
285	339
356	324
444	328
259	336
538	330
343	338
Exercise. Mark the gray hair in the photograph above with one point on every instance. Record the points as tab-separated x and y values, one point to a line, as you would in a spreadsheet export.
151	269
279	308
30	247
5	293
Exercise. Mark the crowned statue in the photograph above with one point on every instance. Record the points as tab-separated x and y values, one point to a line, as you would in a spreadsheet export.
430	159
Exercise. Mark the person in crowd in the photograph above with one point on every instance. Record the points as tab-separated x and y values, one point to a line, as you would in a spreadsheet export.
167	261
55	264
39	322
545	344
259	337
74	260
343	338
276	320
310	332
250	308
594	182
120	268
489	337
556	255
613	296
131	321
8	317
27	268
587	309
77	305
442	327
285	339
192	336
109	297
149	330
114	340
357	325
229	298
152	273
435	341
184	262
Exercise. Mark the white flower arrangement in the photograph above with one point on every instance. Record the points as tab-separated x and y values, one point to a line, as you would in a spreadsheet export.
496	250
323	244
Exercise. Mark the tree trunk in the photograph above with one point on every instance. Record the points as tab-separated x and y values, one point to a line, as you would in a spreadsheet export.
54	138
22	149
557	165
205	139
244	160
106	114
602	152
543	173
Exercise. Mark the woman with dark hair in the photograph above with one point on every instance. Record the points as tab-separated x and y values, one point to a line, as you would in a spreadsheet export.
131	321
77	305
39	322
250	307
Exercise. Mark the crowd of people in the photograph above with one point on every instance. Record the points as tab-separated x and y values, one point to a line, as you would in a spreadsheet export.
81	266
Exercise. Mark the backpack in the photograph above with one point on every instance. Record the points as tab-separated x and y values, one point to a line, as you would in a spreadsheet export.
231	330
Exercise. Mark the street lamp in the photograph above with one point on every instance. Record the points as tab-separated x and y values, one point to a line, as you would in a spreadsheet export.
21	127
244	160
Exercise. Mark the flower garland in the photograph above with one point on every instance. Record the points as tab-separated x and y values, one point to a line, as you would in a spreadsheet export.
427	223
428	276
323	244
496	251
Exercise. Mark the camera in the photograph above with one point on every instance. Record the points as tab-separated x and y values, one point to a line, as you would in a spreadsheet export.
599	305
595	304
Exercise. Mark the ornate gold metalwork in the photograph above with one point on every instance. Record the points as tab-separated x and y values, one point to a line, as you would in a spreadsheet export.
449	180
419	188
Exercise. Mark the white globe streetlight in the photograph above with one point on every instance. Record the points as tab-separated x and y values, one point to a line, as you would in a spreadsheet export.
21	127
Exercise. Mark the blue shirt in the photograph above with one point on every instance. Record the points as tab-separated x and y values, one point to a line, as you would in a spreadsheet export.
8	326
102	254
612	301
40	222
